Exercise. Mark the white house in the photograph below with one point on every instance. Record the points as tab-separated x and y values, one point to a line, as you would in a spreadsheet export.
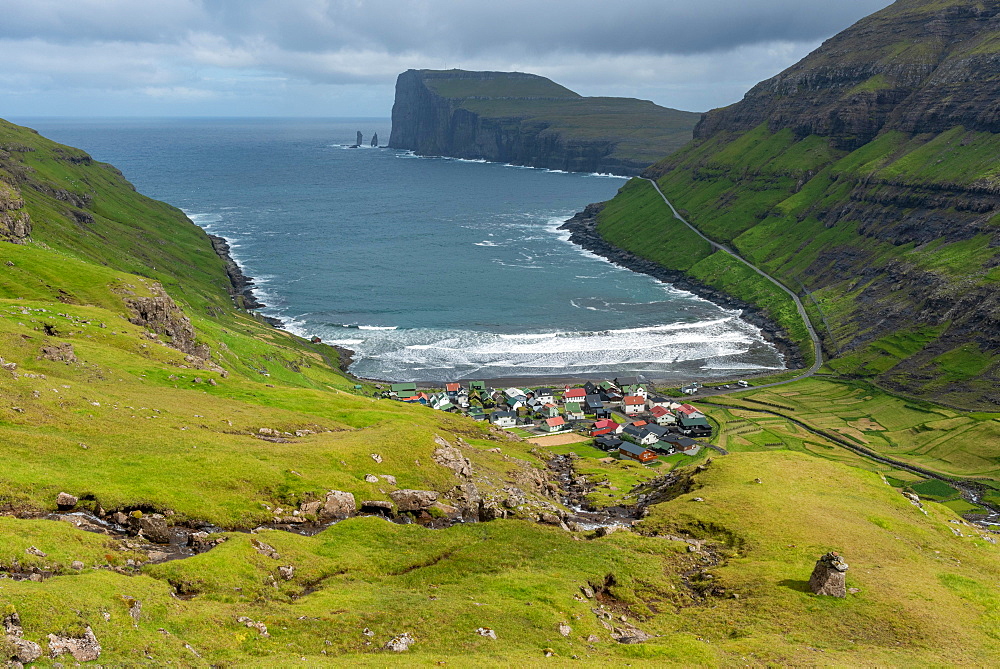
633	404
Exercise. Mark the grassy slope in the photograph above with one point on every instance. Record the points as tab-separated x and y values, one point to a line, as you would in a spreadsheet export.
643	131
128	426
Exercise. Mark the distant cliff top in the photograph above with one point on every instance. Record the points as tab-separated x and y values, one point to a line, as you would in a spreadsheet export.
526	119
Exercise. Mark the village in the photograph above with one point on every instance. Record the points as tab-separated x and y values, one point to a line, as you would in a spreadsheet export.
623	417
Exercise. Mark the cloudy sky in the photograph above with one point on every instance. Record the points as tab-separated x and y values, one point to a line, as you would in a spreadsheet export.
341	57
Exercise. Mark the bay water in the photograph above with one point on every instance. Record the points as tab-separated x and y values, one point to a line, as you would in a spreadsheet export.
430	269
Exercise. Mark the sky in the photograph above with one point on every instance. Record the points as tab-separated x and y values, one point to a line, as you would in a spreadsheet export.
323	58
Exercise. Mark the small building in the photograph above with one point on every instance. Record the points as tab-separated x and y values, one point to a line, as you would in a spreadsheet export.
403	389
574	411
545	396
676	443
622	381
636	389
653	401
593	404
689	411
452	388
503	418
696	426
662	416
658	430
606	442
691	389
478	386
633	404
605	427
637	453
639	435
574	395
548	410
556	424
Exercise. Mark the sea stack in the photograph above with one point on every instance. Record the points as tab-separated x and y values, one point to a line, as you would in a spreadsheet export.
375	140
360	139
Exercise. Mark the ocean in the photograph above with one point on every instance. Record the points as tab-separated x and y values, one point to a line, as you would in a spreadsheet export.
430	269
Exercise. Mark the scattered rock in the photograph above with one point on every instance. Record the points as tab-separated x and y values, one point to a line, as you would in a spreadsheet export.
66	500
269	432
496	449
367	632
487	632
377	458
400	643
76	565
388	478
587	591
371	478
252	624
287	573
85	649
31	550
338	504
828	577
311	507
264	549
62	352
698	499
413	500
448	456
593	638
135	610
549	518
565	629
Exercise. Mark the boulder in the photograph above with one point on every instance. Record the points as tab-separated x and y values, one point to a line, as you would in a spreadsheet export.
565	629
829	576
413	500
486	632
371	478
287	573
311	507
24	651
154	528
400	642
85	649
66	500
253	624
62	352
338	504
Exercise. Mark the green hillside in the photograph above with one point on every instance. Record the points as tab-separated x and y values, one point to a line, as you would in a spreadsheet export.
864	178
147	394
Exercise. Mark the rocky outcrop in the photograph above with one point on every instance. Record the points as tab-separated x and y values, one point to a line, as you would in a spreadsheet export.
62	352
161	314
413	500
338	504
915	66
521	119
241	285
83	649
829	576
15	224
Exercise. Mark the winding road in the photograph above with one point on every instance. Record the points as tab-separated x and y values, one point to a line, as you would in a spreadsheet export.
817	347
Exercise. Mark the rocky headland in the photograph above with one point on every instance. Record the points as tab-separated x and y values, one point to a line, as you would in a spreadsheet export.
525	119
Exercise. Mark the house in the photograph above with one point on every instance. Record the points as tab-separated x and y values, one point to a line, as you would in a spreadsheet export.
623	381
503	418
478	386
637	389
574	411
689	411
514	392
662	416
545	396
658	430
696	426
637	453
476	413
516	403
590	387
639	435
678	444
574	395
592	404
605	427
691	389
607	443
633	404
548	410
654	401
403	389
419	398
556	424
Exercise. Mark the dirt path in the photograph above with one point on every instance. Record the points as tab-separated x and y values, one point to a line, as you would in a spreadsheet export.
817	347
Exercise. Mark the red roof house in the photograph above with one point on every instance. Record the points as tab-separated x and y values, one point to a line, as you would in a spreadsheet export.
604	427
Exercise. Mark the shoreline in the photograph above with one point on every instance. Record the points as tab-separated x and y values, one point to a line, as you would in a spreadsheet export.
583	232
582	229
